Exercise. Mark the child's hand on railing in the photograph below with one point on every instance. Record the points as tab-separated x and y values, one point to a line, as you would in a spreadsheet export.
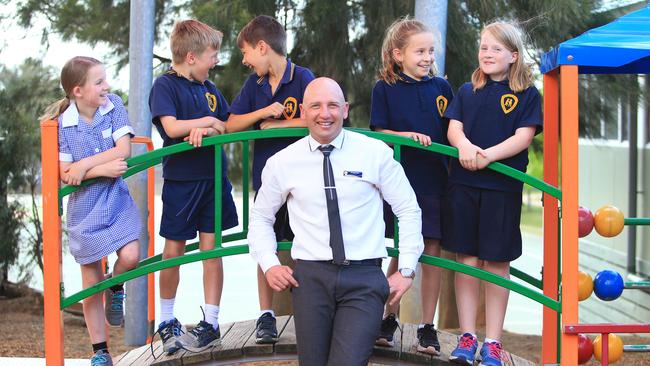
114	168
76	173
274	110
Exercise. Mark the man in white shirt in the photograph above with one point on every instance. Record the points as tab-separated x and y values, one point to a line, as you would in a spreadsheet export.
333	182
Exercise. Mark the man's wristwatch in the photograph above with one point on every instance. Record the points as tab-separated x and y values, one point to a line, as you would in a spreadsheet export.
407	272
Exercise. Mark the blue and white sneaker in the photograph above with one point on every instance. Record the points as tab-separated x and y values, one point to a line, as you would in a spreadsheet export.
491	354
171	332
101	358
114	307
201	337
465	350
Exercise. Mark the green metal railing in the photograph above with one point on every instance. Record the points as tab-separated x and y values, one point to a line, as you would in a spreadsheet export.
156	263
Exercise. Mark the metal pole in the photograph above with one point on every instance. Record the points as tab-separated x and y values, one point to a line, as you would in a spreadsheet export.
140	65
632	121
434	15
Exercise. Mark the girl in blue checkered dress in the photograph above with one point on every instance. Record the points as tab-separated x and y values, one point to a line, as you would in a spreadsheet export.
94	141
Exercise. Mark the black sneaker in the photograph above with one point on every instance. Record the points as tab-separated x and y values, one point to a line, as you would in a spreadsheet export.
201	337
265	329
428	340
388	327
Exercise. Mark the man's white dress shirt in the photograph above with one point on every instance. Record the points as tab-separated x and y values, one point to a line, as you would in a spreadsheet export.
364	172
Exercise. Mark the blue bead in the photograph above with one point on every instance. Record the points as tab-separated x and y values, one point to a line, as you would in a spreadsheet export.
608	285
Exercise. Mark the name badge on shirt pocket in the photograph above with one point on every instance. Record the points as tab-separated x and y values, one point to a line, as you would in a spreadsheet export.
352	173
107	133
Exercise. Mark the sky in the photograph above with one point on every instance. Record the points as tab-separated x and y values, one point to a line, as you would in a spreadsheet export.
17	44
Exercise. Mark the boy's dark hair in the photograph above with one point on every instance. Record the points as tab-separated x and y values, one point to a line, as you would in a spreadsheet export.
267	29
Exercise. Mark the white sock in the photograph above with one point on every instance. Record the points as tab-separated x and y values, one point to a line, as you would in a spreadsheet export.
166	309
267	311
212	314
490	340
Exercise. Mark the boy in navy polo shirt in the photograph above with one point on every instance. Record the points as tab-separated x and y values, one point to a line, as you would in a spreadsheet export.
493	118
409	101
269	99
185	106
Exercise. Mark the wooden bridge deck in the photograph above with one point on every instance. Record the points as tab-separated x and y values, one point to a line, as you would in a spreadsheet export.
238	345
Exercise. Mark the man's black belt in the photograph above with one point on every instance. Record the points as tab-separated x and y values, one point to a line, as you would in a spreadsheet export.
364	262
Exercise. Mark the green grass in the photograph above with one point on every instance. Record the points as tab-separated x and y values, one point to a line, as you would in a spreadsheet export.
531	219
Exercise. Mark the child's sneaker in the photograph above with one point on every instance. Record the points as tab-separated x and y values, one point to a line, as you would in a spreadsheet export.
201	337
101	358
265	330
170	331
465	350
388	327
114	307
428	340
491	354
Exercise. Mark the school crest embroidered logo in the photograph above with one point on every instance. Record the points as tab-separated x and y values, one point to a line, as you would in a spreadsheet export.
212	101
508	102
441	103
290	107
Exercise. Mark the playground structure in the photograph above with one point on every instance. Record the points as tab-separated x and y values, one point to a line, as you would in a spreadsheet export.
560	334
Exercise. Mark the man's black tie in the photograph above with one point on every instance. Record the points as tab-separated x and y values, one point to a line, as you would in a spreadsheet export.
336	234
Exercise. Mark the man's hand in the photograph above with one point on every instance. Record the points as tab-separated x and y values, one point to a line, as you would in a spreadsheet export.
398	285
280	278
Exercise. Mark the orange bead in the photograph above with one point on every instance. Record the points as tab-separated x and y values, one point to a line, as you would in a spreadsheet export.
609	221
615	348
585	285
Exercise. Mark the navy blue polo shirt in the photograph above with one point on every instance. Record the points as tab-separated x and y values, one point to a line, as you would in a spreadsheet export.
416	106
174	95
491	115
256	94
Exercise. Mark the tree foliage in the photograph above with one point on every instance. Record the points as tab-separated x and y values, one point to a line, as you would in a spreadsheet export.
24	93
337	38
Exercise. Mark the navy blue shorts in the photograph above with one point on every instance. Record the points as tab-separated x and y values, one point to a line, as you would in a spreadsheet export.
281	226
431	212
482	223
188	207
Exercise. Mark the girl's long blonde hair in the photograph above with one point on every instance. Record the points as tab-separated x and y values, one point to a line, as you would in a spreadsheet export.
74	73
397	37
520	75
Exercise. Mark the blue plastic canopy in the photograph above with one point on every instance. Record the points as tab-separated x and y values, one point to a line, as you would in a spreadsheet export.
620	47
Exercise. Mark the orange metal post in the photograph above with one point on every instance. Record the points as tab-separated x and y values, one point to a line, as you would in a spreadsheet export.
53	321
569	140
151	288
551	247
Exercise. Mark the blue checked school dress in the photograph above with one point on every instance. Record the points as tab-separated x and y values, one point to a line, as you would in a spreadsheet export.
102	217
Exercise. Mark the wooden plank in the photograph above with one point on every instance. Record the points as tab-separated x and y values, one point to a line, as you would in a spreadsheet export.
146	358
448	342
127	358
287	341
251	348
206	354
391	352
409	346
518	361
233	342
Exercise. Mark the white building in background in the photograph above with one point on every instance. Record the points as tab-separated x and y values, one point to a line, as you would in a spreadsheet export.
604	168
